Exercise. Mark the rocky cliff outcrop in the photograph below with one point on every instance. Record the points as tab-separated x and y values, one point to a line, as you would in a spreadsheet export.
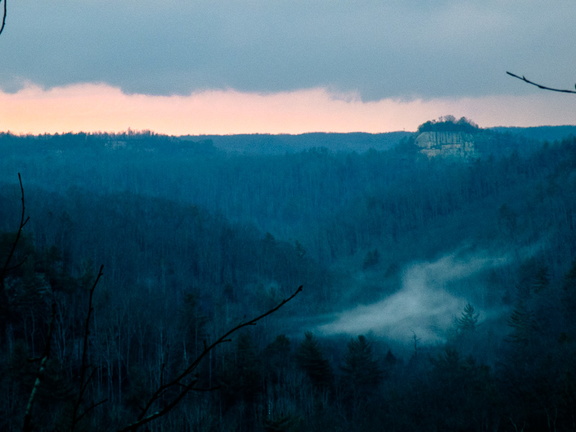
447	144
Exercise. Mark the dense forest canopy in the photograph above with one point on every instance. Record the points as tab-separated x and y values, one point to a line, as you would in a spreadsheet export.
438	291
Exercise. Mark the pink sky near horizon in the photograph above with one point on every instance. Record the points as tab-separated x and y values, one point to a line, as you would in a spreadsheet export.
102	108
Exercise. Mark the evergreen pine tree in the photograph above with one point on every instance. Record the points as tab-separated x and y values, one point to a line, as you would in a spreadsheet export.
362	373
310	359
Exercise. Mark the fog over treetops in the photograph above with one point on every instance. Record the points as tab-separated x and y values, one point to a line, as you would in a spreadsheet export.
431	294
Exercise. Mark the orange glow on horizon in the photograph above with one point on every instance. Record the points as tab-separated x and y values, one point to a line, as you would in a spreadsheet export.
102	108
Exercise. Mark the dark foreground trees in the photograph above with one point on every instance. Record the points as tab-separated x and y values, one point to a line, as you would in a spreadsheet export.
62	368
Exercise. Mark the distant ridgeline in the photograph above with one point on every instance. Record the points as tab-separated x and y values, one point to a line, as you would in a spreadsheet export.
445	137
451	138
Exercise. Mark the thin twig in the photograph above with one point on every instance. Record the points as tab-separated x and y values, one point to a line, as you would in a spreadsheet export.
90	408
3	17
7	267
27	426
526	80
23	221
83	384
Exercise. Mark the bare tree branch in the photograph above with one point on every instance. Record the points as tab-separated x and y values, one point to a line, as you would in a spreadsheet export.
83	384
177	382
23	221
3	17
27	426
526	80
7	267
93	406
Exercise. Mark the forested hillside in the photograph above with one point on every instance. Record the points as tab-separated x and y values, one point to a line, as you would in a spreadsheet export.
282	144
438	291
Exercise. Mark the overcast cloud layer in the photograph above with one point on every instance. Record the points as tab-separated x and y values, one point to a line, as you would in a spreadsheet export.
401	49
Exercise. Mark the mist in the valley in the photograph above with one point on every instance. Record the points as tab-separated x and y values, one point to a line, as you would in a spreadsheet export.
432	294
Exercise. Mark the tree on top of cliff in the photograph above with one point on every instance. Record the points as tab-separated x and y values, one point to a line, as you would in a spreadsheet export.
449	124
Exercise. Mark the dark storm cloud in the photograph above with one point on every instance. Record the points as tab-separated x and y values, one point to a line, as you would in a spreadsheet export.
401	49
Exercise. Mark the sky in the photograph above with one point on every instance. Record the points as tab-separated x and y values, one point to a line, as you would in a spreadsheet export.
260	66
